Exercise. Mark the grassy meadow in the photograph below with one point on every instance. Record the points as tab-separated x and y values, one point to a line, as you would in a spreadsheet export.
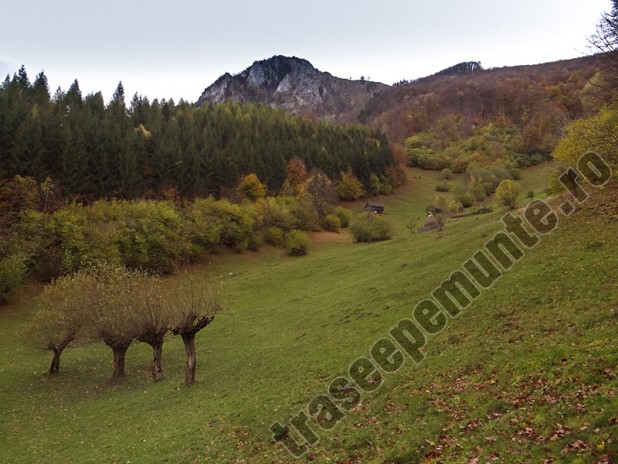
529	372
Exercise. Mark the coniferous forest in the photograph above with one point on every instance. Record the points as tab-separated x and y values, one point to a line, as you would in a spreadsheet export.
91	149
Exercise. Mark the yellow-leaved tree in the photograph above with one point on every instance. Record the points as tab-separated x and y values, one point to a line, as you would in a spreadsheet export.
598	133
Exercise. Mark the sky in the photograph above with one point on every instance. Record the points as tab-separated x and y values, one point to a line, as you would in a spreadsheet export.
175	49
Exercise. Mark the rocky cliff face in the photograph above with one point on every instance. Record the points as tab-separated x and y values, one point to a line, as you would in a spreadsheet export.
295	86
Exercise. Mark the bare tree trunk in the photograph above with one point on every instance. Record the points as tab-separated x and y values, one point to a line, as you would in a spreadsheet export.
189	341
119	358
189	328
54	369
155	340
157	355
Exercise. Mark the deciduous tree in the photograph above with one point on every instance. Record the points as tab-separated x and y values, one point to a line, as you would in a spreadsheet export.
153	318
349	187
62	313
194	305
320	193
113	313
250	188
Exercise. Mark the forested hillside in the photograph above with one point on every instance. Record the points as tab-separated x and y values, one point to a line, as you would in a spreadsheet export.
469	116
90	149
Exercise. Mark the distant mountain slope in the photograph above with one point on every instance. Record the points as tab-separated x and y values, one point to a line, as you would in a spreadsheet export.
297	87
537	98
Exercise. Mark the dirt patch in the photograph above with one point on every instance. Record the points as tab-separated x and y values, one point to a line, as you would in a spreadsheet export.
331	237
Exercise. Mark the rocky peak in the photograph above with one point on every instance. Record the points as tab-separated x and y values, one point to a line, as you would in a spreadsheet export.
296	86
270	73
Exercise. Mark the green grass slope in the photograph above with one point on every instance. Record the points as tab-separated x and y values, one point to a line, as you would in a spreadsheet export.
527	373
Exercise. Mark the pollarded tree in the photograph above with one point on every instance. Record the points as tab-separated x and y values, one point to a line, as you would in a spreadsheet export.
62	314
153	317
194	305
113	317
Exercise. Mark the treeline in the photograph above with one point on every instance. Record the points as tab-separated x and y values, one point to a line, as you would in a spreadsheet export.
459	68
148	149
44	241
159	235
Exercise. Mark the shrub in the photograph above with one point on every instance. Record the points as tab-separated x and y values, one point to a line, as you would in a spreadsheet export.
344	215
219	223
507	193
371	228
273	236
443	187
276	211
440	205
296	243
150	236
331	223
305	216
489	188
12	275
256	240
475	187
466	199
446	174
454	207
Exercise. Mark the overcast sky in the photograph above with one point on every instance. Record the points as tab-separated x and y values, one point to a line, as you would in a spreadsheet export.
176	48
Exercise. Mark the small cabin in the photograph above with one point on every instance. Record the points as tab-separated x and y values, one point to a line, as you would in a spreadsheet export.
376	208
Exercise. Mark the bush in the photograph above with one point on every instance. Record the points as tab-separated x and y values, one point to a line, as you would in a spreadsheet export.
466	199
440	205
276	211
443	187
151	236
331	223
371	228
296	243
256	240
489	188
344	215
273	236
446	174
507	193
217	223
12	275
305	216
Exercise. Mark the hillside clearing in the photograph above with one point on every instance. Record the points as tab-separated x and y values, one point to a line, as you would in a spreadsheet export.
528	372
